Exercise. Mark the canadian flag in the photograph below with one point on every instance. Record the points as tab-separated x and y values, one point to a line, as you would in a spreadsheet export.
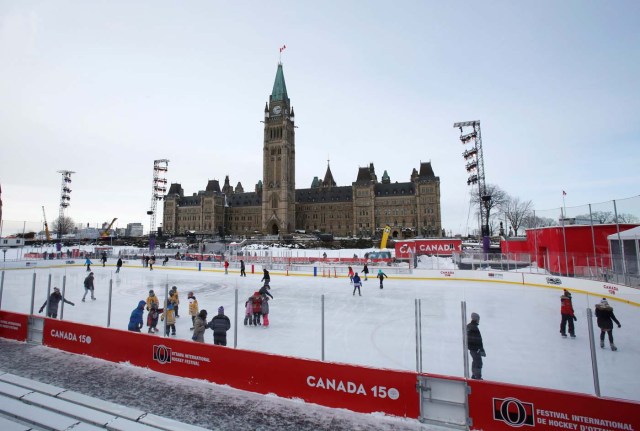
283	48
564	193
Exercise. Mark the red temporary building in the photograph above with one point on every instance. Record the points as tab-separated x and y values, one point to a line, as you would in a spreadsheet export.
581	250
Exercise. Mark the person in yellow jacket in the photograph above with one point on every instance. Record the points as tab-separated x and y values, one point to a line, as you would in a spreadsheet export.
193	308
169	318
151	300
173	297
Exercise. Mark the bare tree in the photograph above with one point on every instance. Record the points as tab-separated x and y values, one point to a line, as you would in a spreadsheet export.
63	225
607	217
532	222
498	198
515	212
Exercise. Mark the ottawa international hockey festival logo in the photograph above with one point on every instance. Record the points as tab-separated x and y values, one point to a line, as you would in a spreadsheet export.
513	412
162	354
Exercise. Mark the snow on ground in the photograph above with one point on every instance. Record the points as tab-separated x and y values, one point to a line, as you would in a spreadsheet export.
519	324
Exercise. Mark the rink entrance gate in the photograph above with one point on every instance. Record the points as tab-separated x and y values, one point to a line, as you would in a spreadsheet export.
444	402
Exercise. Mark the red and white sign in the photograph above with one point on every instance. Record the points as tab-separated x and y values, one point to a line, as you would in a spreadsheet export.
13	325
440	247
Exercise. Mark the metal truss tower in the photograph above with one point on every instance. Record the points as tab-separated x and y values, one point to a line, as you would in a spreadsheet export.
158	189
470	134
65	192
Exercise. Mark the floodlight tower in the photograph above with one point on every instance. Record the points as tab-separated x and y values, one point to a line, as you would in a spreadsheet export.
158	189
475	167
65	192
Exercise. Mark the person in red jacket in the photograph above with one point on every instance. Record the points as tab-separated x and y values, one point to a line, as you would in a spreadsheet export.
256	302
226	266
566	310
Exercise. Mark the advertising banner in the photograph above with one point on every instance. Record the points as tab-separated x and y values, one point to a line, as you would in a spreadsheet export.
359	389
440	247
498	407
13	325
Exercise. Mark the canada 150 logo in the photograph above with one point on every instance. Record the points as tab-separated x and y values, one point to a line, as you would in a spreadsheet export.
162	354
513	412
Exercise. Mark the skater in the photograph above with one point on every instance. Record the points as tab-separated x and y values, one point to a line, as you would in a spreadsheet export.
365	271
152	318
152	260
605	316
173	297
135	321
193	309
169	319
226	267
264	290
356	284
145	261
474	344
256	303
118	265
265	310
248	311
242	273
104	259
199	326
566	311
220	324
165	260
152	300
52	303
88	286
381	275
88	263
266	277
350	275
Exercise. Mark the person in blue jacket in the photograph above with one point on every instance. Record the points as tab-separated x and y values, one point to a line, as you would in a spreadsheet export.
135	321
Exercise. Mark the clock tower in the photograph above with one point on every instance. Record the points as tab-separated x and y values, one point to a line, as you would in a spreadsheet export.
279	162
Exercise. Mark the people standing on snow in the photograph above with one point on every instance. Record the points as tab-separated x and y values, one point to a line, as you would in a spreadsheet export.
199	326
118	265
266	277
242	273
474	344
88	263
567	313
350	275
256	303
264	309
381	275
193	308
88	286
226	267
220	324
605	316
365	271
169	318
356	284
135	321
53	301
264	290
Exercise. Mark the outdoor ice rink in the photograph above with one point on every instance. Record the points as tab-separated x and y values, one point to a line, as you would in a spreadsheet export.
519	324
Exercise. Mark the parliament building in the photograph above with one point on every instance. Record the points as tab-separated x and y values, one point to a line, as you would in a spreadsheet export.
276	207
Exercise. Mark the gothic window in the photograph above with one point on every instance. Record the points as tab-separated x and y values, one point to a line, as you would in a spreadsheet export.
274	201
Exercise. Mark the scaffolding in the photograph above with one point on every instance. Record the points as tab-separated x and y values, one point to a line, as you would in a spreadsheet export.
158	190
65	198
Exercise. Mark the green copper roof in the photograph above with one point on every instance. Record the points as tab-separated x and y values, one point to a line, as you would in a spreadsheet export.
279	92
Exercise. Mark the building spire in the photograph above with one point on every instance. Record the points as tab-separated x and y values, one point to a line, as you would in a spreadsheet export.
279	92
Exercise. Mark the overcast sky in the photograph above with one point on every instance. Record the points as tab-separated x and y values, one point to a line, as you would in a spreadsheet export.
103	88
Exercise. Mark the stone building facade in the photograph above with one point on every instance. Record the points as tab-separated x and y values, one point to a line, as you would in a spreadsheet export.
276	207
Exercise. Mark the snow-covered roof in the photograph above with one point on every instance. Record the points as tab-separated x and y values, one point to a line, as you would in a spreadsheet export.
626	234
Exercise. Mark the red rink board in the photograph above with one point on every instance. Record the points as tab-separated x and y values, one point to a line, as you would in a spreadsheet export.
495	406
13	325
359	389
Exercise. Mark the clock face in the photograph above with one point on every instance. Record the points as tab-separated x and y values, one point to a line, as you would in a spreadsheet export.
276	110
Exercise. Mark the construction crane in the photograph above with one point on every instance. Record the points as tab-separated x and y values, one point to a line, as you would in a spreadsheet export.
46	225
105	233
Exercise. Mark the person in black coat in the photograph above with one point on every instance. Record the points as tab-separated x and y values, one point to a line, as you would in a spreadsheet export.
220	324
474	344
242	272
118	264
266	277
54	300
605	316
365	271
264	290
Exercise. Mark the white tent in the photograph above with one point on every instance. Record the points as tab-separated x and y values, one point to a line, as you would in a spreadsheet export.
626	263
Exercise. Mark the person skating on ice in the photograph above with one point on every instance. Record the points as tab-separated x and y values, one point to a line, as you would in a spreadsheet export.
356	284
220	324
474	344
193	308
605	316
242	269
381	276
118	265
135	321
567	314
266	277
365	271
54	300
88	287
199	326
